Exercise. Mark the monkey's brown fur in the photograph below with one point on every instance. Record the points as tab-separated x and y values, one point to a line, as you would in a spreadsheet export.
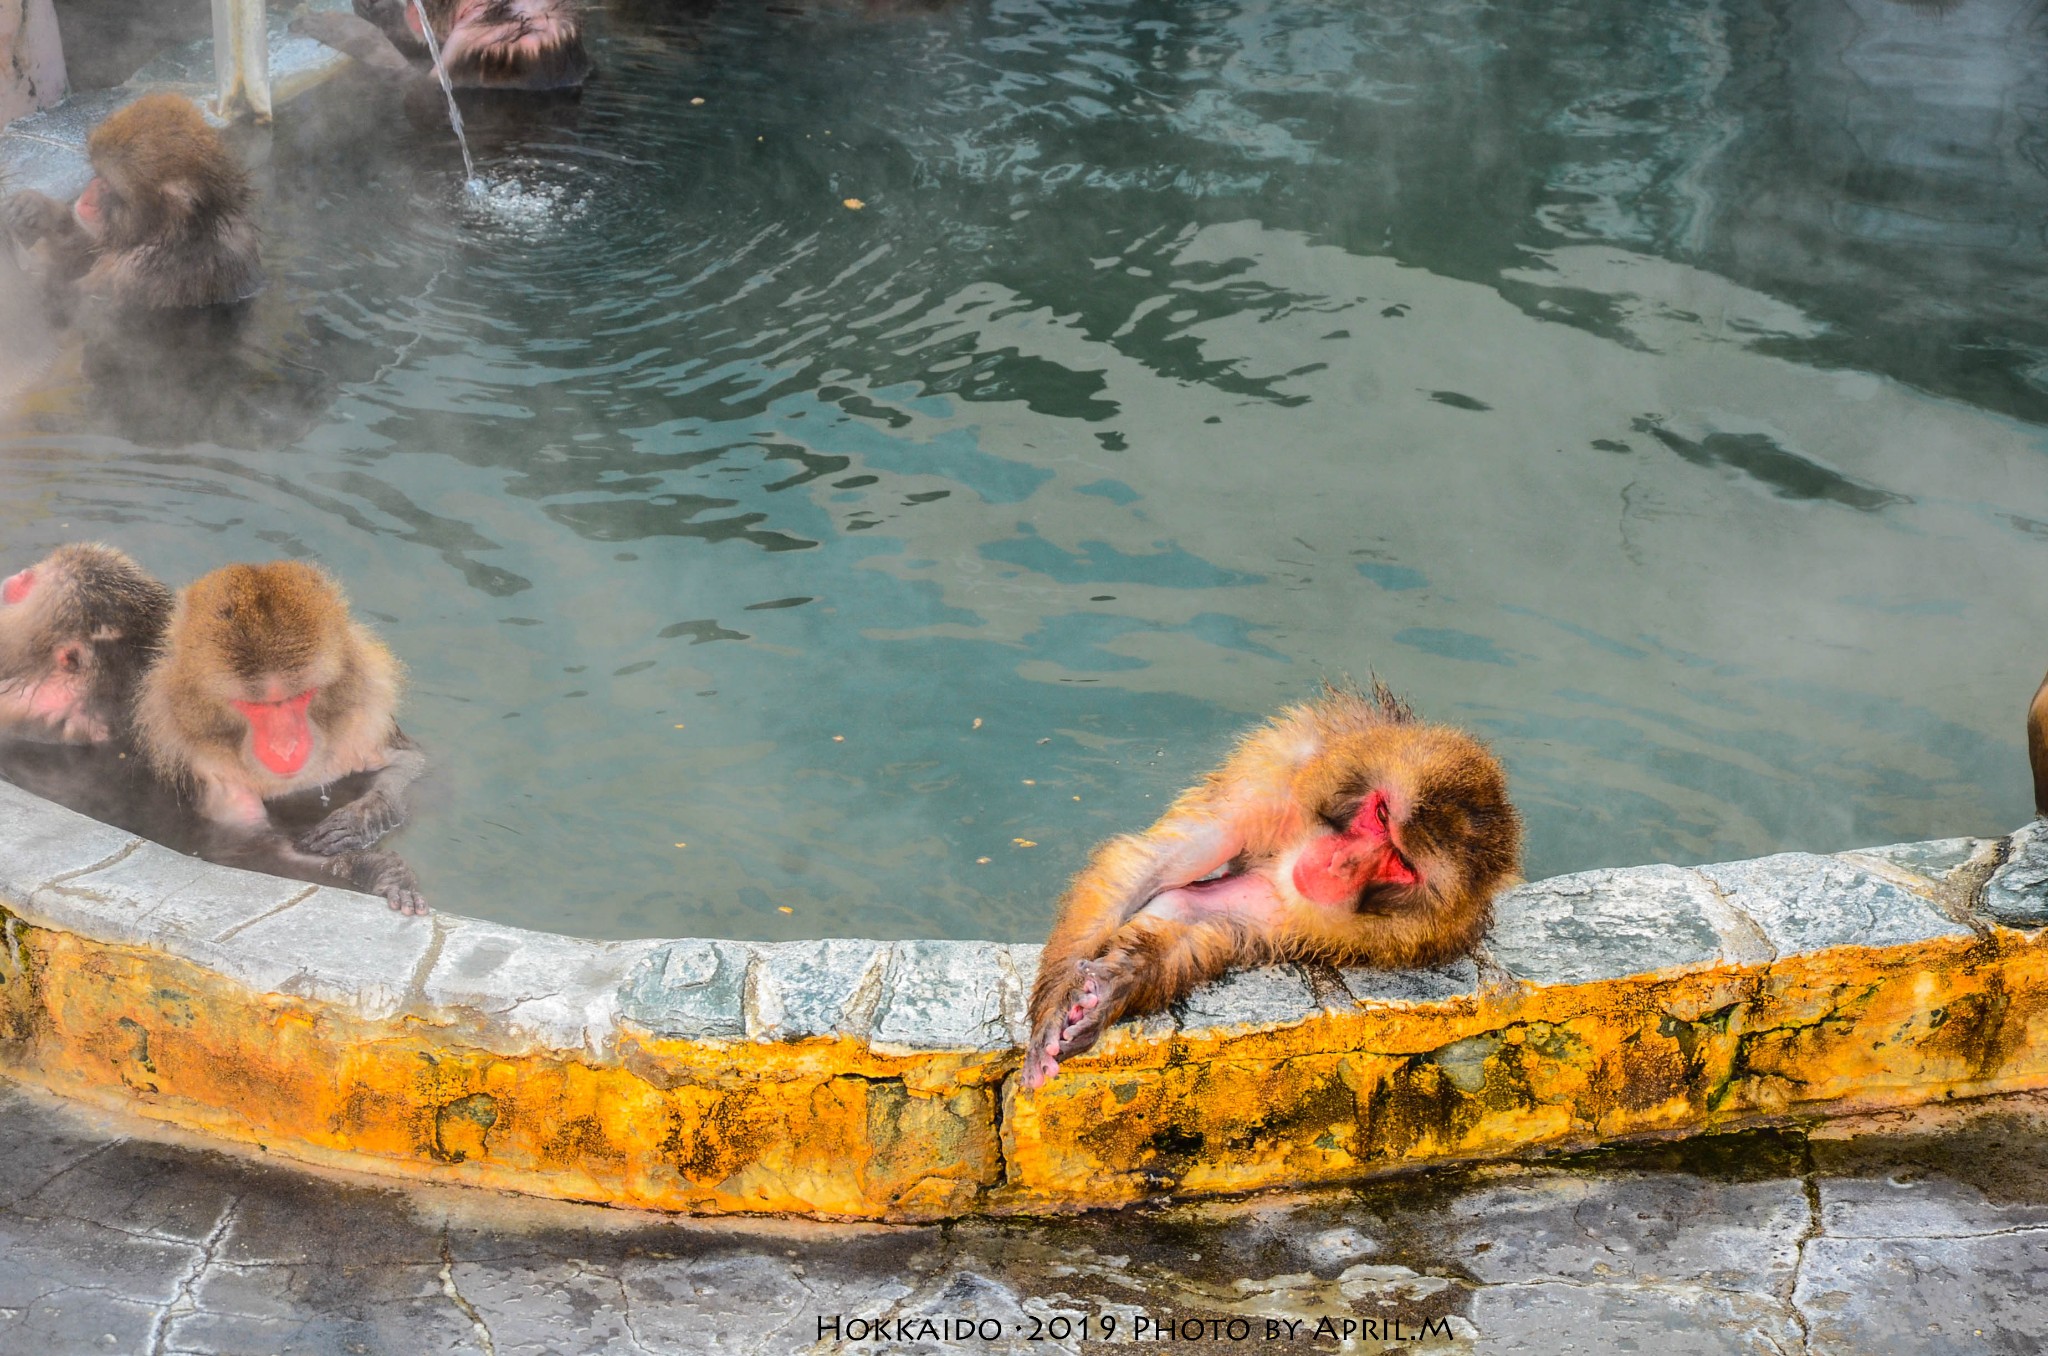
490	44
267	634
72	650
2037	746
1286	782
174	226
261	633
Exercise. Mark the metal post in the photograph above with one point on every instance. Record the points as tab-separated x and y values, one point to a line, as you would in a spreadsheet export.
241	59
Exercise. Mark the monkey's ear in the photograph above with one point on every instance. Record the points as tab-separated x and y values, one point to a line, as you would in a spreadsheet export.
72	656
181	196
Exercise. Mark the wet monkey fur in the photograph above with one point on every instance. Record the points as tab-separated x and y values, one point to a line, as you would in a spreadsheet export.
77	629
164	224
265	687
1345	830
533	45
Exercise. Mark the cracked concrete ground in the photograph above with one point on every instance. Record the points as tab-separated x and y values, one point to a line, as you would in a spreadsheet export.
1905	1233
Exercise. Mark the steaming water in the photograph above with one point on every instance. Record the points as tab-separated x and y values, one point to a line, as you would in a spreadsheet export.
1657	388
469	179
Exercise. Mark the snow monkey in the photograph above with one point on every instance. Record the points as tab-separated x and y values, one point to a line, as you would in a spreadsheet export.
1344	830
530	45
77	628
265	686
164	224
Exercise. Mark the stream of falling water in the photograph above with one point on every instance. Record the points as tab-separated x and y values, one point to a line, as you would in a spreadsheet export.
469	180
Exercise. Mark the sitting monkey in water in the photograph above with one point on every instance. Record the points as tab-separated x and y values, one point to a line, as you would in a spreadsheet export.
250	693
1345	830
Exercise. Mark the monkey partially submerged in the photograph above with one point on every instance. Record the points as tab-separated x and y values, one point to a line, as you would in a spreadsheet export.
249	722
165	222
266	687
77	629
1345	830
523	45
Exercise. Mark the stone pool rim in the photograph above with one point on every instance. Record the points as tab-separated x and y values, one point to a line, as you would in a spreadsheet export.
843	1078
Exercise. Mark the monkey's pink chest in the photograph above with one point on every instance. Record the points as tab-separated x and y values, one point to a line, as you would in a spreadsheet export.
1248	895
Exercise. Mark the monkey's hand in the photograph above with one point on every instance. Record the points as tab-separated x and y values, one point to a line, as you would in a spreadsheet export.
1072	1026
29	217
356	825
386	874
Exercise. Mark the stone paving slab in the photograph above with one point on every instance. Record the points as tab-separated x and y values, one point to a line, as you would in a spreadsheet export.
1808	903
2017	893
164	898
559	993
1605	924
114	1239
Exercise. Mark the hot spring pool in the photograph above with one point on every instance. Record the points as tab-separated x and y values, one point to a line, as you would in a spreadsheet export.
1657	389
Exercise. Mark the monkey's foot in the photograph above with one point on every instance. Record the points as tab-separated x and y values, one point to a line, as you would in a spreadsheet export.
353	827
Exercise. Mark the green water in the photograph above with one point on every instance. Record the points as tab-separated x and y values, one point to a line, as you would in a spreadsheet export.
1656	389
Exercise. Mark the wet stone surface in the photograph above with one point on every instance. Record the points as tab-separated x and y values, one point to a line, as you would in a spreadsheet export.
1931	861
817	988
948	995
689	990
1806	903
1604	924
1909	1233
2017	894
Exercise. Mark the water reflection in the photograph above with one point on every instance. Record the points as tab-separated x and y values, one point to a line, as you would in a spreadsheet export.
753	552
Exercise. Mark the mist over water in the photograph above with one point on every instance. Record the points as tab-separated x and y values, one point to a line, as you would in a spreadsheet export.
1656	389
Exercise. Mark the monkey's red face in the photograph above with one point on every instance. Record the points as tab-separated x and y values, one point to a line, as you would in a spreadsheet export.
1338	867
18	586
280	735
91	207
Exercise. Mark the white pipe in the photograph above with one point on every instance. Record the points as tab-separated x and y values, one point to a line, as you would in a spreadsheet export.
241	59
31	58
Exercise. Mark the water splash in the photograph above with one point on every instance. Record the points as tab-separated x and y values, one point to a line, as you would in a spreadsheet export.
470	182
524	204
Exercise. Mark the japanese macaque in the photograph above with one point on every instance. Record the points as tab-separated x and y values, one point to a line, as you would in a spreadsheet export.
2037	746
165	222
77	629
265	687
485	44
1345	830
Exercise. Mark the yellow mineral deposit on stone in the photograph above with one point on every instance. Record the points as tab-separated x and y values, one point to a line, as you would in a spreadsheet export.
1023	842
853	204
